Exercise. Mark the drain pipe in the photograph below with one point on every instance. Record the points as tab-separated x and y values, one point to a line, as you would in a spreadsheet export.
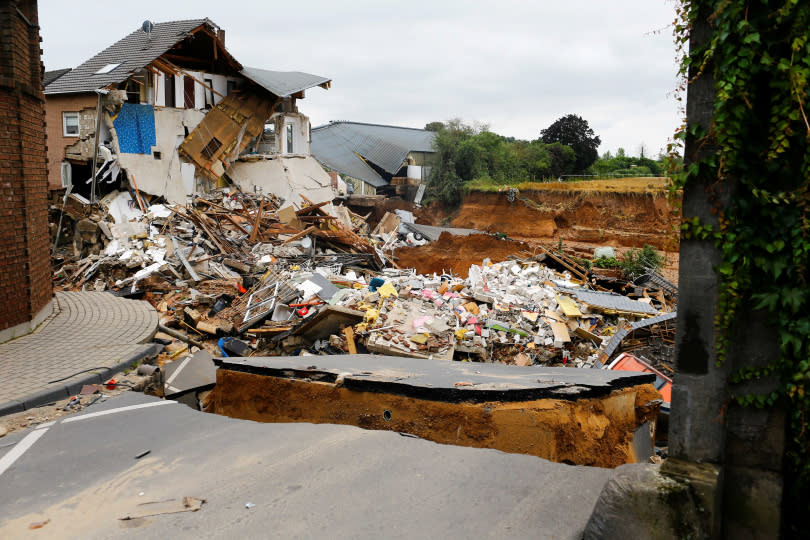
99	93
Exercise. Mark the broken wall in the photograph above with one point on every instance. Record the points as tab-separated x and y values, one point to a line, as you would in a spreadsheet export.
25	270
162	172
57	141
286	177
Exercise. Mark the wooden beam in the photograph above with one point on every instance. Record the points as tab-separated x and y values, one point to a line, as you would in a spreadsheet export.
255	232
180	71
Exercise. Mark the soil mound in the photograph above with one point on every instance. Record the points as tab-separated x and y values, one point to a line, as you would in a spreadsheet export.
456	253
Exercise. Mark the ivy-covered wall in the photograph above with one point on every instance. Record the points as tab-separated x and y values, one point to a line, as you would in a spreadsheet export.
746	176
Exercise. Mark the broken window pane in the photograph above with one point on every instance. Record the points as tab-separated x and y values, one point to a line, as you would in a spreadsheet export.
70	124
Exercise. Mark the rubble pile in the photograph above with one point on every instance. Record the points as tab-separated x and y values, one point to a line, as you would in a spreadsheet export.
239	274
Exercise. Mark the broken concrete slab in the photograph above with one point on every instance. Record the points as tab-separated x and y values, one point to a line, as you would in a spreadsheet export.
427	378
196	372
584	417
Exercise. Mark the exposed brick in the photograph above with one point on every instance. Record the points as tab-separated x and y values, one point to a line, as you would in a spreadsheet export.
25	274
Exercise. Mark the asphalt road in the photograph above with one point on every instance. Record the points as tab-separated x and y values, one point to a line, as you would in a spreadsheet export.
300	481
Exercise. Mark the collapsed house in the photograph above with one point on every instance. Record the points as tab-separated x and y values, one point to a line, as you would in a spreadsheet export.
167	111
389	159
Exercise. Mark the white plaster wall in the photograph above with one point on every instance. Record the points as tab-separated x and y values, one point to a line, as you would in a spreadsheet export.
286	177
160	90
300	131
178	91
163	176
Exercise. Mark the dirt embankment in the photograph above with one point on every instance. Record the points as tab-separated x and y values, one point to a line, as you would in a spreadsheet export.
590	431
456	253
609	219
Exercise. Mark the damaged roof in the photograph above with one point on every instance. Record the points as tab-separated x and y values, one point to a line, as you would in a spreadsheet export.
346	147
285	83
128	55
609	300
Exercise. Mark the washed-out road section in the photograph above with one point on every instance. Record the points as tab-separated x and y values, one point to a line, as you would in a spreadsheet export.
311	481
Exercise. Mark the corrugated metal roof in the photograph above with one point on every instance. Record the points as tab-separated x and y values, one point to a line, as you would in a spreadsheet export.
608	300
284	83
343	146
619	336
133	52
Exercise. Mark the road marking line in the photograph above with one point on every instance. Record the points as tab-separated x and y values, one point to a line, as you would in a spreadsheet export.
178	370
15	453
46	424
118	410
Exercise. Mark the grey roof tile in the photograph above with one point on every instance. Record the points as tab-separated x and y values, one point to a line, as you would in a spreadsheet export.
52	75
133	52
608	300
284	83
337	145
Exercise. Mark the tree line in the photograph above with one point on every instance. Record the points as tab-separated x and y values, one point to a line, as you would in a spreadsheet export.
466	153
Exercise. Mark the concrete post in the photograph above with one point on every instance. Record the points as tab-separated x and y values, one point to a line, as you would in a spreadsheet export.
706	425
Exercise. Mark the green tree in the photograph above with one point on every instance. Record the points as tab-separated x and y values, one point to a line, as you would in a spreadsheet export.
572	130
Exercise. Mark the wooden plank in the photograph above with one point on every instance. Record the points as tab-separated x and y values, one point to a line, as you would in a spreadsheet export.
256	225
312	207
303	233
349	333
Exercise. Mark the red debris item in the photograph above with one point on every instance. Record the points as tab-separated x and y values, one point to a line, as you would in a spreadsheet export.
477	330
111	384
302	312
241	289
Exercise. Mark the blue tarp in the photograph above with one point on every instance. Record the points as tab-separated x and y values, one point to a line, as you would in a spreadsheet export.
135	126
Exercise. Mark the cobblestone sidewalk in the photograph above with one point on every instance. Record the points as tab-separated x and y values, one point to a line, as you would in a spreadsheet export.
89	337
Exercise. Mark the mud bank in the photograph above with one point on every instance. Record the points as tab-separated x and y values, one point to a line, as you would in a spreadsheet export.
611	219
456	253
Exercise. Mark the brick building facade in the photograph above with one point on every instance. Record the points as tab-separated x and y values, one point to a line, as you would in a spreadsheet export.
57	140
25	273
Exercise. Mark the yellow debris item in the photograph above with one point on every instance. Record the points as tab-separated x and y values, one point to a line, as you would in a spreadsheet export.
387	290
568	306
371	316
530	316
421	339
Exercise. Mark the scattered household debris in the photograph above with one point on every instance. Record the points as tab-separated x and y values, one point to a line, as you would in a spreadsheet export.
244	274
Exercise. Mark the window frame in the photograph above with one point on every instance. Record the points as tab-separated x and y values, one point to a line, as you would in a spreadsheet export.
65	115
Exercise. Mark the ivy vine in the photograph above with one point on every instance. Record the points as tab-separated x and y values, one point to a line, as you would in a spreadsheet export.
758	53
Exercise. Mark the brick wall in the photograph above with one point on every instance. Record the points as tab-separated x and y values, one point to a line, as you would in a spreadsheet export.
25	272
57	142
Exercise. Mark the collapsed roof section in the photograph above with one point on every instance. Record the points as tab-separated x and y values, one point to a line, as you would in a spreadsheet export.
226	131
368	151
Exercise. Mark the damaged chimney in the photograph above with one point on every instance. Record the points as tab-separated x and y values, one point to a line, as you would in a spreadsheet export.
221	36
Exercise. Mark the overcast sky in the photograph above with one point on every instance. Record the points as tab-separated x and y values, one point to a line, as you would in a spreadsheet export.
514	65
